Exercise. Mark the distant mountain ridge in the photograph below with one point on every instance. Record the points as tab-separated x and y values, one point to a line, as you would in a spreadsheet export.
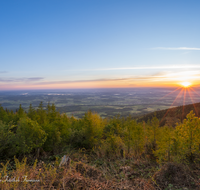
173	115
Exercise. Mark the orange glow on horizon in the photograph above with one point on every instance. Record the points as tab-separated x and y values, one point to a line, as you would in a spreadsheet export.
91	84
146	82
186	84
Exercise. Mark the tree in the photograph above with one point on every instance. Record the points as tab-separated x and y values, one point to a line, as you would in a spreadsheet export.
32	113
7	140
151	136
134	136
2	114
153	132
51	112
20	111
41	116
93	129
30	135
165	143
188	134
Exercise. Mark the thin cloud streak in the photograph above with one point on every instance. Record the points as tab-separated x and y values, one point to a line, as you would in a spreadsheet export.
79	81
3	71
178	48
162	76
32	79
141	68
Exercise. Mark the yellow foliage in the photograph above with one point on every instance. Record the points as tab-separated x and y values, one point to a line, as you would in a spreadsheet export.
188	134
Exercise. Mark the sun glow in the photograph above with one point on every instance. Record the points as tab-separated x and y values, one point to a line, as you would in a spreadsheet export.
186	84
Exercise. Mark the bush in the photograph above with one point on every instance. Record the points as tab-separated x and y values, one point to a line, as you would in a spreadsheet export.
29	136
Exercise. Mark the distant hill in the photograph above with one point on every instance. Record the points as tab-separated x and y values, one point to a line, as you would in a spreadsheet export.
172	116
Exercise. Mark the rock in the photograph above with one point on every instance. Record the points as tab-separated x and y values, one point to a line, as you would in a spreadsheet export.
65	161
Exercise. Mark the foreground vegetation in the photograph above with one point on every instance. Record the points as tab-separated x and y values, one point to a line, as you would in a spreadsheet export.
125	154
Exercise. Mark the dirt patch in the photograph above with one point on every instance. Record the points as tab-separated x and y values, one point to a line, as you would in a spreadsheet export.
87	171
142	184
174	175
76	182
142	170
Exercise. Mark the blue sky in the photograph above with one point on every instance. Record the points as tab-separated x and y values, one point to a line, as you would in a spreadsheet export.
98	43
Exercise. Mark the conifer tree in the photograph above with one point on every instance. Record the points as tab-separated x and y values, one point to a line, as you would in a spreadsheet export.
20	111
29	135
188	134
31	113
134	136
165	143
41	114
51	112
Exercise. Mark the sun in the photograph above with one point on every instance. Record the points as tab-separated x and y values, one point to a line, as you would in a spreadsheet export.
186	84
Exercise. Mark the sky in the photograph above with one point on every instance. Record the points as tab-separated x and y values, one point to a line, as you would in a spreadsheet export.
67	44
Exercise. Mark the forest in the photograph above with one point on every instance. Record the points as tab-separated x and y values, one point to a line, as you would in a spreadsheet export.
45	134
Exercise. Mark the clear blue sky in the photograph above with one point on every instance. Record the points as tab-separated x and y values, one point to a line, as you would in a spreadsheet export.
97	43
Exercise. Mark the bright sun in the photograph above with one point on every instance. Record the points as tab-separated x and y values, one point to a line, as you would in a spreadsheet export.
186	84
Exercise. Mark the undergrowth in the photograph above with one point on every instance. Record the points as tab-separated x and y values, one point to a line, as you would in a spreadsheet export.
88	172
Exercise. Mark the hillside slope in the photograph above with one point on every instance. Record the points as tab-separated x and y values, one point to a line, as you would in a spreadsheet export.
173	115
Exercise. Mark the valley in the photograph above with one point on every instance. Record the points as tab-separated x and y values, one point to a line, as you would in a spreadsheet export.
105	102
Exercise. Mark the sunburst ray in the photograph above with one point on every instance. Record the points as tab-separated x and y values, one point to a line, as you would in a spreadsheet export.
179	94
192	102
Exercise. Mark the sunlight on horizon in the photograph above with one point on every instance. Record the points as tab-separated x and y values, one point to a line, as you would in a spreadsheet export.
185	90
186	84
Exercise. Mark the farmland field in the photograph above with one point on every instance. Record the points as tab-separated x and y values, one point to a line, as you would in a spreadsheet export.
106	102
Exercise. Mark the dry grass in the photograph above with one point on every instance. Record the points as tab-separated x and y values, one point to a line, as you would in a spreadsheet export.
103	174
177	176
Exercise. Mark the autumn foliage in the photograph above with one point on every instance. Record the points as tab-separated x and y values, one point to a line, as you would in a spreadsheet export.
44	133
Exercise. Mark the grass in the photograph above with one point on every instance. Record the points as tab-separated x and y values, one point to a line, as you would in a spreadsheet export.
87	171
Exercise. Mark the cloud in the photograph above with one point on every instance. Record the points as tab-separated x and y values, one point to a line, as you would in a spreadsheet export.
161	76
3	71
32	79
79	81
177	48
6	80
146	67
